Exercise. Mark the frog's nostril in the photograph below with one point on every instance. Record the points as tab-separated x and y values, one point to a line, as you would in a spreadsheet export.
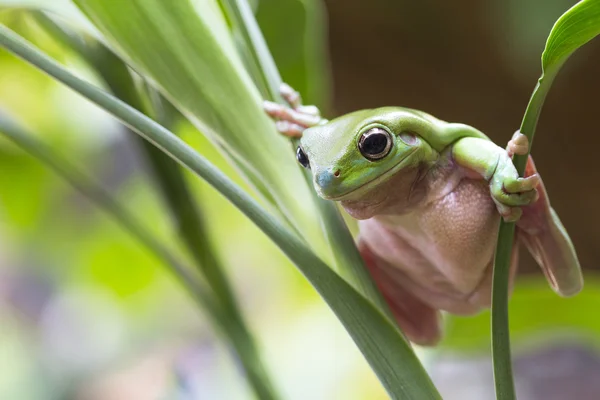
325	178
336	173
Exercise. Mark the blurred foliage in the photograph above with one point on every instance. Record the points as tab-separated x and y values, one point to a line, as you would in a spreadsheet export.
295	33
60	255
79	249
537	316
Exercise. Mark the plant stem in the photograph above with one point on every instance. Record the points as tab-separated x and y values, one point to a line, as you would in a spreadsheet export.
501	354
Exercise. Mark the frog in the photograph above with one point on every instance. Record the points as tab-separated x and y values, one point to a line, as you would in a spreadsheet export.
428	196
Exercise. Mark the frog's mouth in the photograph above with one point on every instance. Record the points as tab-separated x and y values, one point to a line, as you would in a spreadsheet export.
367	186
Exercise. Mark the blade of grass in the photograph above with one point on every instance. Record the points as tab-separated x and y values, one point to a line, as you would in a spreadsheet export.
346	255
174	190
572	30
380	341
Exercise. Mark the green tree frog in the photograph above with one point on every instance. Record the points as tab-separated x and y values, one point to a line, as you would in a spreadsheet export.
428	195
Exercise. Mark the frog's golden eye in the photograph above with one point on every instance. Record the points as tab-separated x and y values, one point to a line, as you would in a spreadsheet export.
302	157
375	144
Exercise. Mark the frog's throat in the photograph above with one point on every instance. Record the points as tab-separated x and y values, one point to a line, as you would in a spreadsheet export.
365	187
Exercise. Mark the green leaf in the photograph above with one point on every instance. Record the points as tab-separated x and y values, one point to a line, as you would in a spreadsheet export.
572	30
576	27
185	48
388	353
62	8
187	215
295	32
346	256
28	142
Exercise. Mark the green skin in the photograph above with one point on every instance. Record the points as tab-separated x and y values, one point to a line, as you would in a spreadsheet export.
428	209
333	146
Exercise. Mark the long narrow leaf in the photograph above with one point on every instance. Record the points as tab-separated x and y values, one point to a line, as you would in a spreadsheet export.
346	256
230	325
573	29
186	50
103	199
382	344
175	191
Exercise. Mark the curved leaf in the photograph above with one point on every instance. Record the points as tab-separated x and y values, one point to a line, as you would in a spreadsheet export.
346	256
62	8
382	344
576	27
103	199
185	48
187	215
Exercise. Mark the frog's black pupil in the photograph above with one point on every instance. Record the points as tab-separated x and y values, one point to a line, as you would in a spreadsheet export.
301	157
375	143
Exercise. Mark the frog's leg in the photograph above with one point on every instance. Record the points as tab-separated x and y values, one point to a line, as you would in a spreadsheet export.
420	323
481	158
544	235
294	118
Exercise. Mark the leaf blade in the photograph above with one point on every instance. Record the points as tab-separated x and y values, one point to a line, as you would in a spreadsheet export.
185	49
345	253
384	347
576	27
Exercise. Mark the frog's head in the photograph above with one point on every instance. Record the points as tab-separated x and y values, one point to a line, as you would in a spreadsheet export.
352	155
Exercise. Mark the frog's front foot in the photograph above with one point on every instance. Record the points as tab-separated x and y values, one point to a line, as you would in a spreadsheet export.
509	191
293	119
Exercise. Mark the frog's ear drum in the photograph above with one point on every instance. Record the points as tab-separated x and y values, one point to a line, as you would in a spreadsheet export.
409	138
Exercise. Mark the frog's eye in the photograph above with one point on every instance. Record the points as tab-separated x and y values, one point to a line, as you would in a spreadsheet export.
375	143
302	157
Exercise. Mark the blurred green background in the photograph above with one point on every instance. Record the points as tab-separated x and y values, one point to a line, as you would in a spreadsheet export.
87	313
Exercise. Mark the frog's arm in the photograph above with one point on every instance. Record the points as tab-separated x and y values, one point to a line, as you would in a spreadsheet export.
538	224
443	134
484	158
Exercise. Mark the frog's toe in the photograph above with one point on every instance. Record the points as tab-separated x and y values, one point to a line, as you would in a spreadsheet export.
520	185
291	96
509	214
309	110
514	194
289	129
272	109
294	100
519	144
277	111
515	199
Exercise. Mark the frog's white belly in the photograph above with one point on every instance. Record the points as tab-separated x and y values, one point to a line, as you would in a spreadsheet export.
441	252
